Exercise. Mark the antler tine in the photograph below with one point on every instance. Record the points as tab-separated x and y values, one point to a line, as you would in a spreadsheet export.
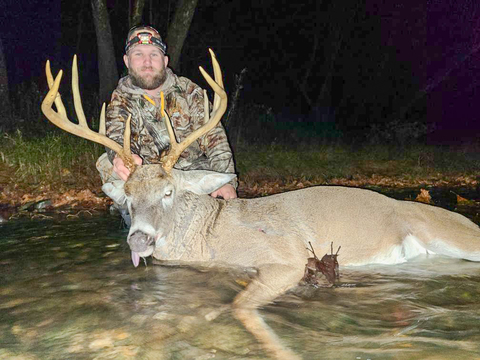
206	107
168	123
217	84
126	146
58	98
61	120
217	72
126	138
77	101
102	128
170	157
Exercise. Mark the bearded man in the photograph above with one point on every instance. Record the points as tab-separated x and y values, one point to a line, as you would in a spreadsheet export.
138	94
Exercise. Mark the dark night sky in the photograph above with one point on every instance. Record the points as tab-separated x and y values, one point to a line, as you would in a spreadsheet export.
390	52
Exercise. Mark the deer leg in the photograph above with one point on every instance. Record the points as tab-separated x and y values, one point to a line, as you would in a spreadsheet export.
272	281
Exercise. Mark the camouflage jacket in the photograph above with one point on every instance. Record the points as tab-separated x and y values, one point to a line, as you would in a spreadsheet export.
149	137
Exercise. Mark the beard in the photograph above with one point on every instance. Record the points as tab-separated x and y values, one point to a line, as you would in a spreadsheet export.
150	81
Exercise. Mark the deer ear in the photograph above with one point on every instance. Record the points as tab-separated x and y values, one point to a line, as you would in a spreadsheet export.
115	191
202	181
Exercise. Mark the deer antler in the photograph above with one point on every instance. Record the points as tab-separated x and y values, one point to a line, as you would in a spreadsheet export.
170	157
60	119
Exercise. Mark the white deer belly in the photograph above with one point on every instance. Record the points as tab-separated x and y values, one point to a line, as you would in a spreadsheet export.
409	248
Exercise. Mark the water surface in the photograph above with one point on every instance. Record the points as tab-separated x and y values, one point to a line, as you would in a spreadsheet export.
68	291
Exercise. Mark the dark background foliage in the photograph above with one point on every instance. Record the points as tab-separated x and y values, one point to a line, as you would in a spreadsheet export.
354	71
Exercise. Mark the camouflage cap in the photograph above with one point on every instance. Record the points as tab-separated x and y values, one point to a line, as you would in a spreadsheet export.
144	35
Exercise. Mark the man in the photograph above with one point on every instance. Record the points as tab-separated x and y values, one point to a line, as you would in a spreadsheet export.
138	94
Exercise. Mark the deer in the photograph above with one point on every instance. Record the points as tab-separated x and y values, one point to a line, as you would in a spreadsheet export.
175	221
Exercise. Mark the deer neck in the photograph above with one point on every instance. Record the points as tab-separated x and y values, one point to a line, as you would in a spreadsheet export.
189	240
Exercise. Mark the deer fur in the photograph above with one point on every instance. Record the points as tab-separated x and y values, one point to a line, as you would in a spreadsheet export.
174	219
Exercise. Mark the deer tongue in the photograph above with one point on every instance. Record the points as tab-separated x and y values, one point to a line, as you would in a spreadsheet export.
135	258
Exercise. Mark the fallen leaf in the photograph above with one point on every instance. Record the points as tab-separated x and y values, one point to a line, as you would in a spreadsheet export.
462	201
424	197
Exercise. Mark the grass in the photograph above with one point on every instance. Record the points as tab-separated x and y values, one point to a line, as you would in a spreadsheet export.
340	161
58	159
60	162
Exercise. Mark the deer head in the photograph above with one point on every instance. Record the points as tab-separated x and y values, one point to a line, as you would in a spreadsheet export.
157	199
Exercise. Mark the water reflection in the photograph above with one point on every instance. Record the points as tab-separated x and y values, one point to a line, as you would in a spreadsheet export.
68	290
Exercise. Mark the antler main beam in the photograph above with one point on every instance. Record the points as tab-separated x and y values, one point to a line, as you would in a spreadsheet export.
60	119
170	157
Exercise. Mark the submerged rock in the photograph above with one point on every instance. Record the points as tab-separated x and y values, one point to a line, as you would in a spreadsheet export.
28	206
43	205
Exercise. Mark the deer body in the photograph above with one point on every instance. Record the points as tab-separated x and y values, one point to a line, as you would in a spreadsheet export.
174	218
185	225
371	228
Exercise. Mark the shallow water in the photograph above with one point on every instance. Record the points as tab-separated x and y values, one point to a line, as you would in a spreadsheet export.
68	291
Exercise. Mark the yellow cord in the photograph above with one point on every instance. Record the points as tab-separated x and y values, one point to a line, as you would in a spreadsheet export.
163	103
150	100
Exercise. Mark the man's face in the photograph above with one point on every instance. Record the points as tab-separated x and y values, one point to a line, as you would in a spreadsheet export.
146	66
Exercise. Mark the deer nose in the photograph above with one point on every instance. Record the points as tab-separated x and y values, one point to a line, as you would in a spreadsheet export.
139	241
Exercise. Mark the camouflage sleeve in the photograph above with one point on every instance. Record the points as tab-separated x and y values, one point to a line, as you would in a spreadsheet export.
215	143
117	114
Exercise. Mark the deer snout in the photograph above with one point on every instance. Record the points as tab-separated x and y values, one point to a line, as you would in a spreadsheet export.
139	241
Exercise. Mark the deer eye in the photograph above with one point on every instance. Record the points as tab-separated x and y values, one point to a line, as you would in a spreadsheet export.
168	193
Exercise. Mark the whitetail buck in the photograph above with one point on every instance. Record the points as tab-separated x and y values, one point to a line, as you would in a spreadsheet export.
174	219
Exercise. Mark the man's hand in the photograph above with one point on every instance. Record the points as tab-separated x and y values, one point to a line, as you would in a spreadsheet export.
121	170
227	191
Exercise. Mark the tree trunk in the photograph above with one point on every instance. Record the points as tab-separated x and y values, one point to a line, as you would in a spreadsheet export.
150	12
4	93
178	30
233	122
107	69
80	27
137	12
